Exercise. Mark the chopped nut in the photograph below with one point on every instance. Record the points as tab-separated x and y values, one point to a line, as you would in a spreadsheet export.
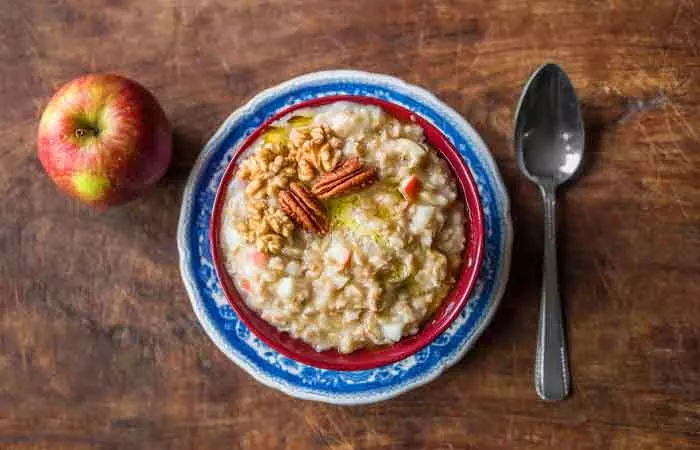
247	169
254	186
255	209
329	158
259	194
277	148
266	227
276	165
298	136
265	153
280	223
275	225
271	190
244	172
281	181
318	135
269	243
305	171
316	149
335	142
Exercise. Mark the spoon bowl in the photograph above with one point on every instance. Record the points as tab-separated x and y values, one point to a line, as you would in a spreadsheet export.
549	139
549	133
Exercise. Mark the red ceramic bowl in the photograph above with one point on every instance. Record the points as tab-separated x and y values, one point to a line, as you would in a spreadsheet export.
443	317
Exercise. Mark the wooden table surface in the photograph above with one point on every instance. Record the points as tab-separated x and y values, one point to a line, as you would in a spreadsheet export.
99	348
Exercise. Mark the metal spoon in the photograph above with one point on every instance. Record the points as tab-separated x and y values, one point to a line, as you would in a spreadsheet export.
549	141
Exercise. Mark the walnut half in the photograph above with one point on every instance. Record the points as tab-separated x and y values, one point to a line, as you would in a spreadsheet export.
316	149
266	227
268	171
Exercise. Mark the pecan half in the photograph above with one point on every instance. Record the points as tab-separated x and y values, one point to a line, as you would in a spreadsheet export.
303	208
349	176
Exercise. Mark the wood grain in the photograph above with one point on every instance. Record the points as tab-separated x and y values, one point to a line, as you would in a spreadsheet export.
99	348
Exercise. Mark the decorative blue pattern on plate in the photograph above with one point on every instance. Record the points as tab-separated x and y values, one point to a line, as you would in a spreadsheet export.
277	371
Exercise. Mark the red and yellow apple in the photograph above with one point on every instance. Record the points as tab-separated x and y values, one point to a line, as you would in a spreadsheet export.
104	139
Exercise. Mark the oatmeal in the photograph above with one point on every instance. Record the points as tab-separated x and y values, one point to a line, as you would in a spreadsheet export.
343	227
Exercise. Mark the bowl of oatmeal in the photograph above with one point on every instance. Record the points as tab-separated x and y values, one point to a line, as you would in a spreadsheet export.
347	232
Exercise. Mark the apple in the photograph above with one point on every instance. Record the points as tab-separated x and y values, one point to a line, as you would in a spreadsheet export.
104	139
339	255
260	259
286	288
409	187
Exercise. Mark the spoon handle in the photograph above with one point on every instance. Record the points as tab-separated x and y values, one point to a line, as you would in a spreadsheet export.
551	366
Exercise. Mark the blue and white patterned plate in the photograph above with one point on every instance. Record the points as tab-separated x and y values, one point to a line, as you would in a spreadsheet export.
277	371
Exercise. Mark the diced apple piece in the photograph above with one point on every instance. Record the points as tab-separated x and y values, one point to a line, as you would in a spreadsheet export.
286	287
409	187
409	152
293	268
232	239
322	297
268	276
244	266
378	261
392	331
421	217
245	284
350	315
339	281
339	255
411	149
353	292
260	259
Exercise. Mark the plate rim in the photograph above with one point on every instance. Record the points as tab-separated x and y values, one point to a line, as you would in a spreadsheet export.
219	135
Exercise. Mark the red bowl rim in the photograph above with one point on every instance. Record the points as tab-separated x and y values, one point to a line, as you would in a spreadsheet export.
362	359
